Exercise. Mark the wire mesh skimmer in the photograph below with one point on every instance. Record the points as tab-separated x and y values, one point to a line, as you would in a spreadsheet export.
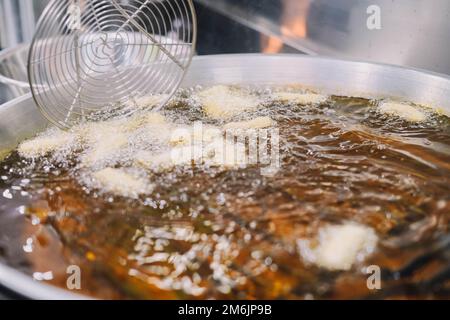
104	56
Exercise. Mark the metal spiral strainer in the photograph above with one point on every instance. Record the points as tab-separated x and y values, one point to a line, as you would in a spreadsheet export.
88	56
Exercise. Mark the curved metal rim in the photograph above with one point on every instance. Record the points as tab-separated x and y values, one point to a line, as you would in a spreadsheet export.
259	55
327	59
6	53
24	286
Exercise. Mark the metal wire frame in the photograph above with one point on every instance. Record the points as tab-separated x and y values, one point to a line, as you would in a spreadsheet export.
118	52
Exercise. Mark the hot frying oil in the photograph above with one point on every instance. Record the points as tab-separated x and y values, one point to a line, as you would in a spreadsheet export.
205	232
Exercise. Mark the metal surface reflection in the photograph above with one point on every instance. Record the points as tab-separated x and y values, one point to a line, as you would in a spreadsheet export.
411	33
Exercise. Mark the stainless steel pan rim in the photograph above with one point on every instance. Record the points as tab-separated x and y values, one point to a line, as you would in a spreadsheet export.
26	287
334	76
20	119
7	54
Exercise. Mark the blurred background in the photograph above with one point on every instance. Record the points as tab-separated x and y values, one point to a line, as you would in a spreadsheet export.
413	33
